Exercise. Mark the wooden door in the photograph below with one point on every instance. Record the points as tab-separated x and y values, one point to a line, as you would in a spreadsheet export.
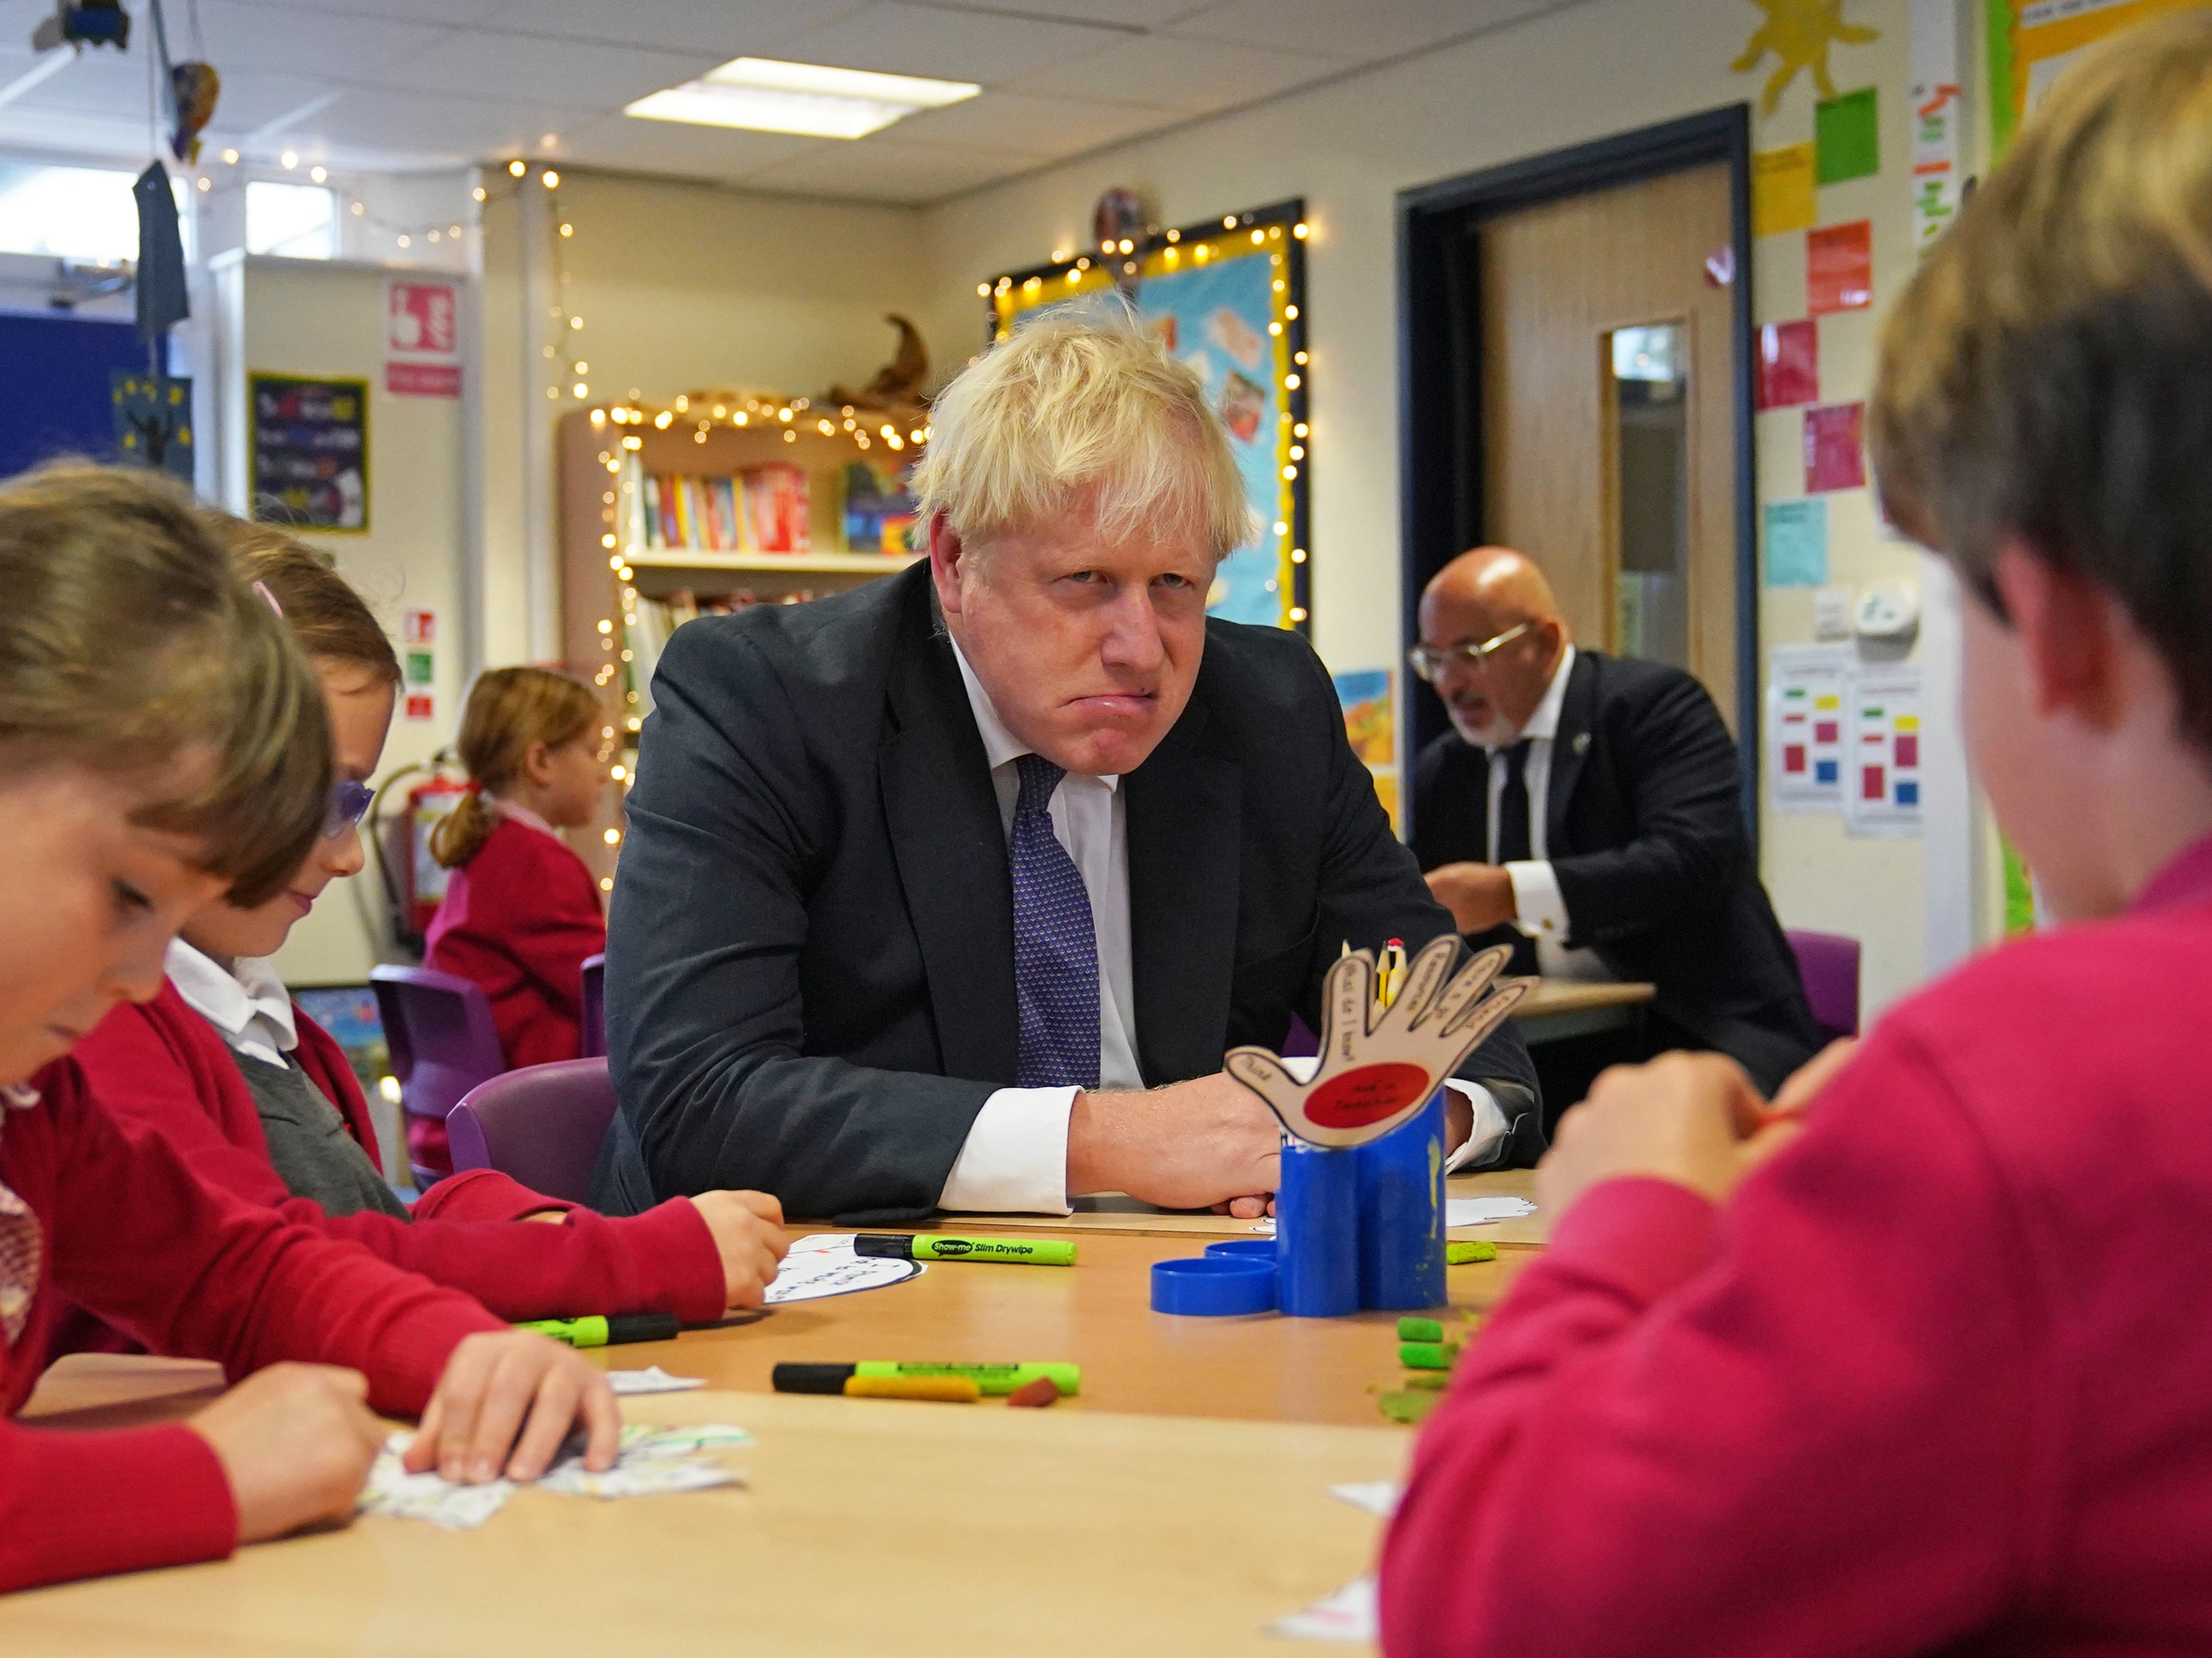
1609	388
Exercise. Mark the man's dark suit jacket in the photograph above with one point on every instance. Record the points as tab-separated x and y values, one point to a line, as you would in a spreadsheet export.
1644	828
809	962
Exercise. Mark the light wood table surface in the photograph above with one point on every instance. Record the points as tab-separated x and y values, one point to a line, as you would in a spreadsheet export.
864	1527
1558	1008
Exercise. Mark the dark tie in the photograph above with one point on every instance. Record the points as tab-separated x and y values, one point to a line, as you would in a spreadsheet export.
1056	949
1514	846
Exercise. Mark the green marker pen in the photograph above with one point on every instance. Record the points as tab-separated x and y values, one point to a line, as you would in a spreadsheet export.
992	1379
928	1245
596	1332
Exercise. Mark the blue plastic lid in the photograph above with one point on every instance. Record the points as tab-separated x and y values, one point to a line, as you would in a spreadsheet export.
1214	1286
1244	1248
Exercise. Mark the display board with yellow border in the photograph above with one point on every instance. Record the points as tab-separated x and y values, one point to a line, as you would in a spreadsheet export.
2033	42
1226	297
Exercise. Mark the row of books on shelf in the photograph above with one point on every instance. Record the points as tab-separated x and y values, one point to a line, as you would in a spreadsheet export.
657	618
769	509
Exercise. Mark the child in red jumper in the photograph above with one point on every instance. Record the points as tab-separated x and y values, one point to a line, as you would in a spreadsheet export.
1914	1360
161	741
522	912
258	1100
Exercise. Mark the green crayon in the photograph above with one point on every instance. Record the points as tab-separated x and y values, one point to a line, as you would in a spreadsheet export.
1419	1329
1426	1355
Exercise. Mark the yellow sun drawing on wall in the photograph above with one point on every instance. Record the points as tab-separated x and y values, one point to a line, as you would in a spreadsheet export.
1799	33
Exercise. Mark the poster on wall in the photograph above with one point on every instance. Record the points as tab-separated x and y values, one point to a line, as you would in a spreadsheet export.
308	442
1227	298
1807	688
422	339
1881	775
1370	727
2033	42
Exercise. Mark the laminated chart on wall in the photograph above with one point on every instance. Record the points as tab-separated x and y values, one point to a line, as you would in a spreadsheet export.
1881	792
1808	688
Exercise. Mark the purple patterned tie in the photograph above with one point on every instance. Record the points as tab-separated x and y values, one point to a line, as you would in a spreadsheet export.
1056	949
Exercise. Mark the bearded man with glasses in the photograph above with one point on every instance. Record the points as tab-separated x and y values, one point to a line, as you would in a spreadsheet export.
1587	810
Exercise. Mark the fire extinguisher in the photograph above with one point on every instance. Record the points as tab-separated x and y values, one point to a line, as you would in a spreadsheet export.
423	877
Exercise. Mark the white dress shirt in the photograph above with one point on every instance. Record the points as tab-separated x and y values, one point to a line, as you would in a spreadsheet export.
1542	910
1014	1158
247	1004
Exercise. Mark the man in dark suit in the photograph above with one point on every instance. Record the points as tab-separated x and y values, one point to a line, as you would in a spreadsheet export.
953	891
1586	808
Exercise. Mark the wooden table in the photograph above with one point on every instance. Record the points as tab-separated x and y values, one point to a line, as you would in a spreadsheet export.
1178	1505
1559	1008
864	1527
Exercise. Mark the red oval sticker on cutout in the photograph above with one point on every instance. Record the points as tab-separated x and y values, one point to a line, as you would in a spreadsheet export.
1359	1097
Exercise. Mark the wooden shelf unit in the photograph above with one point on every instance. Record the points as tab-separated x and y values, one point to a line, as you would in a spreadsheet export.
603	458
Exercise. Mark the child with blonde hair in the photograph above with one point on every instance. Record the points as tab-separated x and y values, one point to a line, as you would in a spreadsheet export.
522	912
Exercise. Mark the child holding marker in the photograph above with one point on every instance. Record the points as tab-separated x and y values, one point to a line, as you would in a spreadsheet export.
161	741
522	912
258	1099
1914	1361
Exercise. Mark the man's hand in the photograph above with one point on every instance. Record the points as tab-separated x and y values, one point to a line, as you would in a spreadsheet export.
498	1387
1693	1119
748	1229
1479	895
1185	1146
295	1441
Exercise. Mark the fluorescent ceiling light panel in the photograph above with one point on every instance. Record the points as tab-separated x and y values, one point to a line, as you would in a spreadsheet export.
764	96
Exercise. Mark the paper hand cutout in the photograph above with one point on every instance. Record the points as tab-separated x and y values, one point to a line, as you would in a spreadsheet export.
1378	1069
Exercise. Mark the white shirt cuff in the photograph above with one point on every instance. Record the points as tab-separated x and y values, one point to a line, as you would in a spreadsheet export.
1541	911
1016	1157
1488	1130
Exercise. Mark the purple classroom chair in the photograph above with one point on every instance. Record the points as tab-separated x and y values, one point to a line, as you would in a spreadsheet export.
595	1004
1829	965
541	1125
438	1028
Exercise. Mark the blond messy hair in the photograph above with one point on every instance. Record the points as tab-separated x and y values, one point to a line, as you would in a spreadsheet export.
1080	401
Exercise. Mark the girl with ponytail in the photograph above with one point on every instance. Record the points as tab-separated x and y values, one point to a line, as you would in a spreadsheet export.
521	911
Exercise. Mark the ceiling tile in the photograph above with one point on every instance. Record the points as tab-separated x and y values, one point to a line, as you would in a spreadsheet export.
727	28
1028	129
523	67
242	37
450	12
946	46
1194	75
424	124
249	101
1128	14
1382	29
688	152
910	175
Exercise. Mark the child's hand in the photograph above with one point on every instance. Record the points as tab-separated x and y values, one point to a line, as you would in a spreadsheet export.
296	1443
496	1386
1693	1119
748	1229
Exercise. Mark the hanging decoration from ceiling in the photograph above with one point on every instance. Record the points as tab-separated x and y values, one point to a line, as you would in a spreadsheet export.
1799	33
1227	299
83	23
188	89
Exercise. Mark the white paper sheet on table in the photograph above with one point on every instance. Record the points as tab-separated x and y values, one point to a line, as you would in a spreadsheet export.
824	1264
1377	1497
1458	1212
652	1380
653	1460
1350	1615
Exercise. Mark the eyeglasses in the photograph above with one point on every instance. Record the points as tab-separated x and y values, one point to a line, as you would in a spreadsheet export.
1430	660
349	804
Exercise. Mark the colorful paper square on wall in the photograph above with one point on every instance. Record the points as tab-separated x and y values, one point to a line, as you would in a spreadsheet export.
1797	544
1839	267
1788	364
1847	133
1782	191
1835	457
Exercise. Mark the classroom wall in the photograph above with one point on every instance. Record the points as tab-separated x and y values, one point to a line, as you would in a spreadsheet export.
318	318
681	287
1574	73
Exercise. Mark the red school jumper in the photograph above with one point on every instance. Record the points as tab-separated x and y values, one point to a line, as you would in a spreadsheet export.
162	1069
125	1227
518	918
1939	1378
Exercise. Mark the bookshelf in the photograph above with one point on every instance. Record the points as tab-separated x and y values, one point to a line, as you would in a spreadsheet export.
620	593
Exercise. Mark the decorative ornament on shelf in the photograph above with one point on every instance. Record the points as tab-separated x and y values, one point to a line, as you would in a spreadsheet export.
897	386
1799	33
